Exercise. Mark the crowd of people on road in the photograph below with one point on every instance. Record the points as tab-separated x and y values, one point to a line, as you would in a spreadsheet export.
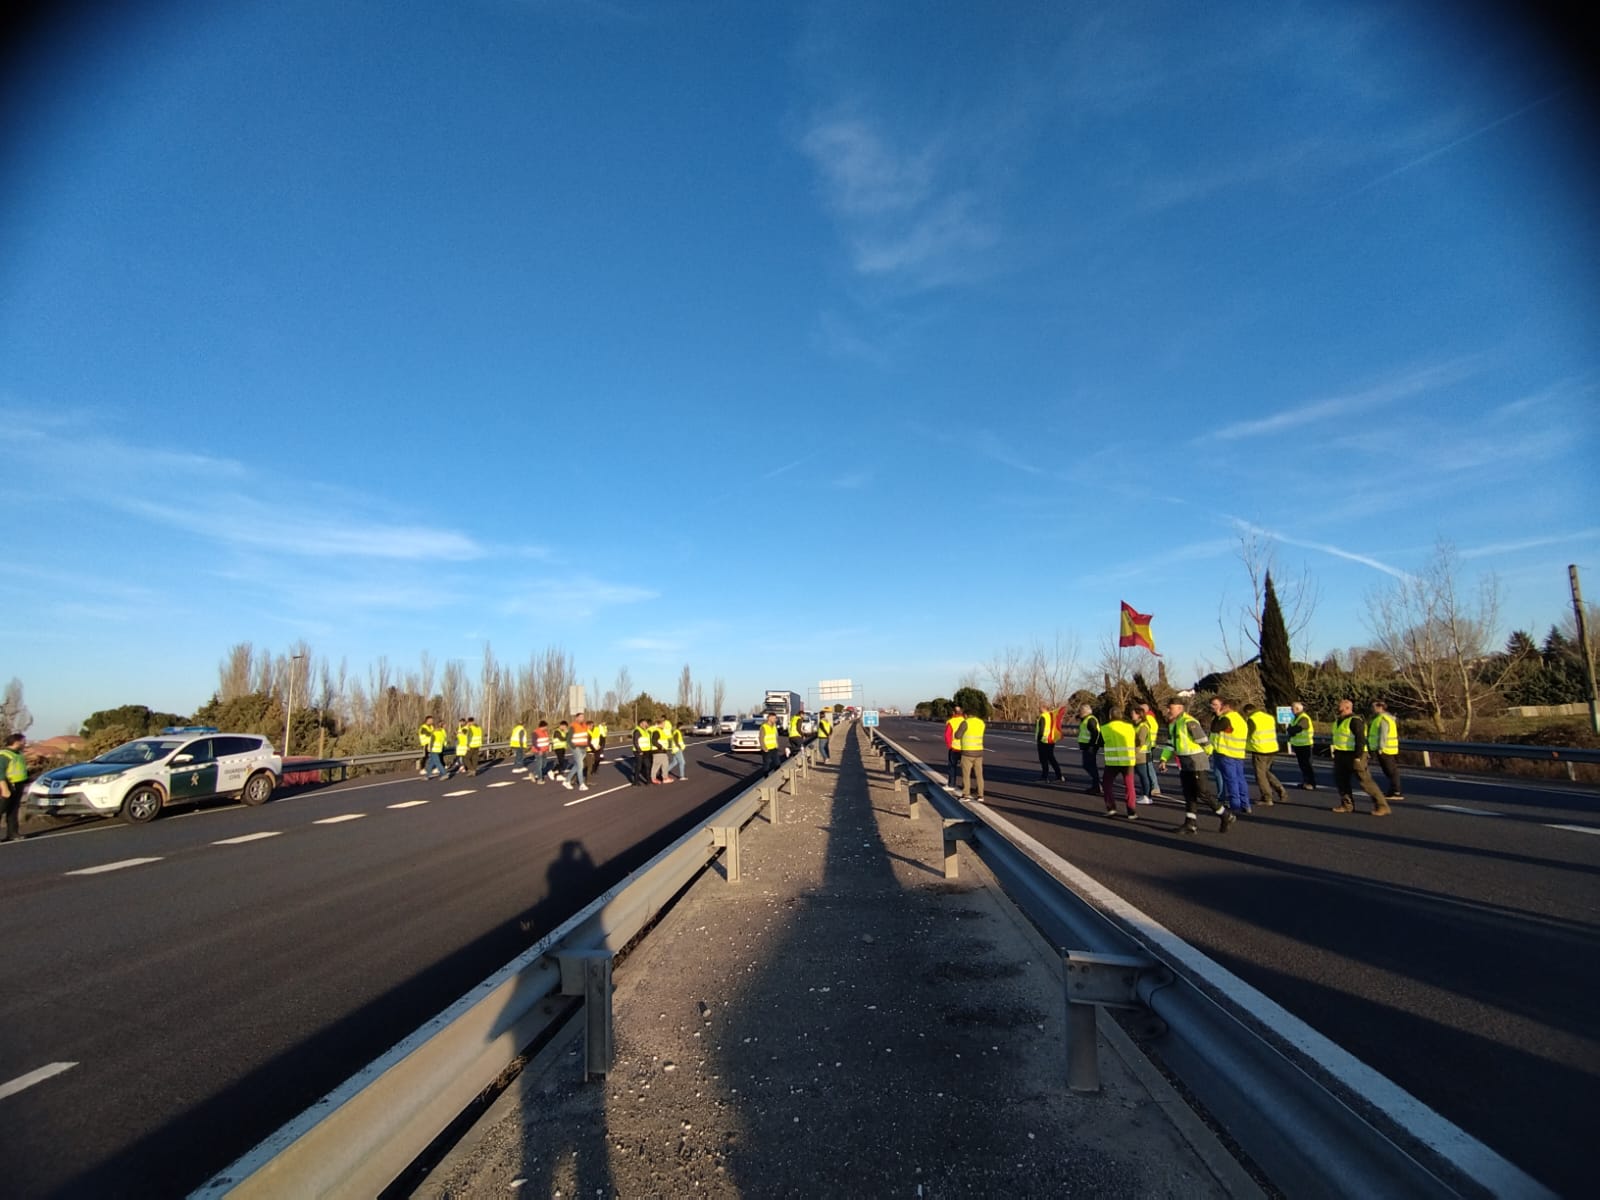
1122	756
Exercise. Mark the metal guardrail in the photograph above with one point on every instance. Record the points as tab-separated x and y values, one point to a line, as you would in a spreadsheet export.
359	1138
1310	1141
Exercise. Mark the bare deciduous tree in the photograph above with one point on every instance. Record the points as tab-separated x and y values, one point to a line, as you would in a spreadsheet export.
234	672
719	693
14	714
1240	623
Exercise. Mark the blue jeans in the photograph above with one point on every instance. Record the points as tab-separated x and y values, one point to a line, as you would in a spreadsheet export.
822	747
435	763
678	764
1235	793
522	755
1145	775
575	771
540	763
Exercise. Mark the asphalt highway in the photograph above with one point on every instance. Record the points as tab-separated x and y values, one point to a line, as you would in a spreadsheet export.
1454	947
176	991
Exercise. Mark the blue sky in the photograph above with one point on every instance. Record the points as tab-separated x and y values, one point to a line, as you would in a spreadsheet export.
789	341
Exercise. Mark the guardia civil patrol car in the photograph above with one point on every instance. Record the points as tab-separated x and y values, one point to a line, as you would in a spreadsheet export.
180	765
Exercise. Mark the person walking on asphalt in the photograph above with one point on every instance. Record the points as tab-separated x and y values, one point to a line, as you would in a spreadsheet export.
1383	739
770	758
1350	762
969	740
1046	732
952	750
1144	744
1230	740
424	740
824	732
541	751
459	763
1263	745
641	753
1119	736
13	782
474	744
1188	743
435	761
519	747
1088	745
1302	733
660	747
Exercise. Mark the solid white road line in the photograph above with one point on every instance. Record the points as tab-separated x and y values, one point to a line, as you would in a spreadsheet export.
1576	828
595	795
341	817
462	792
116	866
408	804
23	1082
249	837
1471	812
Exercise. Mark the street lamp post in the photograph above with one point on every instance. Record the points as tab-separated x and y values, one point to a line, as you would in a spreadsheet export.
289	715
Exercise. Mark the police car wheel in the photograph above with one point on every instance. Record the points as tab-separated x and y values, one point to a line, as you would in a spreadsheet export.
142	805
258	788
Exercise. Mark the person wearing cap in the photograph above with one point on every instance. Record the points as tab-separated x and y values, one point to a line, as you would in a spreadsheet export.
1088	746
13	782
1188	743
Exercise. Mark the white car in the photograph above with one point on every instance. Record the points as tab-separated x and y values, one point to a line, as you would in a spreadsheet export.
704	727
747	736
729	723
180	765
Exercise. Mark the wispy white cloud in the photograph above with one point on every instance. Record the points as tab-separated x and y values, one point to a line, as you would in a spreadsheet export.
1405	385
1325	547
1533	543
577	598
788	466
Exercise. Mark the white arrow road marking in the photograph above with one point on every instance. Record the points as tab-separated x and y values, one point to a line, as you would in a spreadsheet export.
1471	812
1577	828
339	818
408	804
23	1082
595	795
116	866
249	837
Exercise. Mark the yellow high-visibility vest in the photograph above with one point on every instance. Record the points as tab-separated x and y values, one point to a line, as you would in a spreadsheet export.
1230	740
1086	730
769	735
475	736
1263	734
1383	735
1181	734
424	735
441	737
519	737
1304	730
970	735
462	738
641	737
1044	729
1344	737
1119	736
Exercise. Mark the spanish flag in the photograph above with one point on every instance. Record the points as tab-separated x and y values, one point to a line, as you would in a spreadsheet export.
1136	630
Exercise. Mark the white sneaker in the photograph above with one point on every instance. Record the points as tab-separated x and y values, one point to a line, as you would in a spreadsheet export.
567	783
583	787
1145	800
517	770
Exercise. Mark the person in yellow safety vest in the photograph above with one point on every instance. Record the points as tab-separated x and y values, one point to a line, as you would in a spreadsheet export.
1088	747
969	739
463	736
792	732
578	736
824	732
1383	739
641	752
424	740
13	782
1144	765
660	747
558	747
1188	743
438	740
770	758
676	760
1046	732
1263	745
1349	738
951	749
1229	744
1120	737
542	741
519	746
1302	734
597	748
474	744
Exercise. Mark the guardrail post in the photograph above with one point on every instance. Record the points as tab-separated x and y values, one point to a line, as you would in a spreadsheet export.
769	795
727	837
955	830
918	791
1091	980
587	973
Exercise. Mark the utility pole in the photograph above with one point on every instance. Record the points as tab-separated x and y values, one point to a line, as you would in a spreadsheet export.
1583	648
288	716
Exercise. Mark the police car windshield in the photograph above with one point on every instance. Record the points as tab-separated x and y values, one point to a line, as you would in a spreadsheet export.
143	751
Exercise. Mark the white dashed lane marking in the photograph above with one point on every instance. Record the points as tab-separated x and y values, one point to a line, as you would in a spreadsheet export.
505	783
1471	812
23	1082
462	792
1576	828
339	818
116	866
249	837
408	804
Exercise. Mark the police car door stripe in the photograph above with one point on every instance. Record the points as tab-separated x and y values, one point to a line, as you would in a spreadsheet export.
116	866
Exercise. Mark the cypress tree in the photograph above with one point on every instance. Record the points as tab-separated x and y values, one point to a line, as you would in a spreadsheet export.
1275	664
